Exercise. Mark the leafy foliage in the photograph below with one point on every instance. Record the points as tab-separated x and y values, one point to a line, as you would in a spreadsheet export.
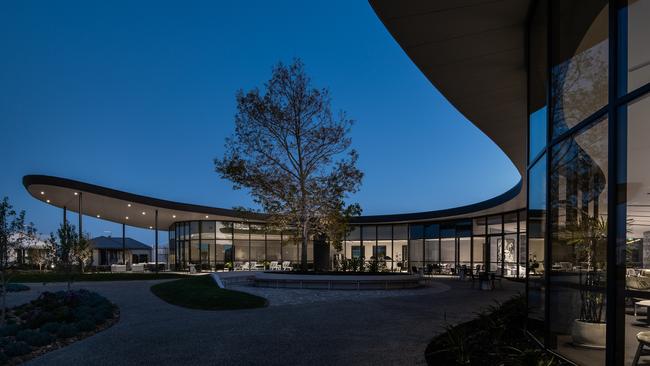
496	337
294	156
52	317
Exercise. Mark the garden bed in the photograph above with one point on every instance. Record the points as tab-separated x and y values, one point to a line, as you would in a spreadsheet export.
496	337
52	321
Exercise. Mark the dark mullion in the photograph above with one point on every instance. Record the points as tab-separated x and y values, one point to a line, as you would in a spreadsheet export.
408	248
627	98
392	246
200	244
549	135
615	311
376	253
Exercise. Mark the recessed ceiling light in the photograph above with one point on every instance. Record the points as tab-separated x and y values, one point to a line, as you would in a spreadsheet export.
98	216
127	217
42	193
174	216
129	205
144	213
48	201
150	227
206	216
76	193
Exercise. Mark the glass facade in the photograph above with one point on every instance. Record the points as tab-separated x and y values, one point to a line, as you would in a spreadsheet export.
432	248
215	243
587	224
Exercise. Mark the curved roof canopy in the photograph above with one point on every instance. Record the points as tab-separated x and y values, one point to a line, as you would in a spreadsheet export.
122	207
139	211
474	53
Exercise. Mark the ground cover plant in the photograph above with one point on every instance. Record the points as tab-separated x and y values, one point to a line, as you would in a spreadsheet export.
53	320
201	292
496	337
40	277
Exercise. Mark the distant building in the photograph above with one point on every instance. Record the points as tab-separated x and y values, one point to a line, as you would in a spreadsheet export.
32	252
109	250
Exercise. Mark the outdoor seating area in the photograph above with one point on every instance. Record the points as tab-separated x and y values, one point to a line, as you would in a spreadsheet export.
137	267
260	266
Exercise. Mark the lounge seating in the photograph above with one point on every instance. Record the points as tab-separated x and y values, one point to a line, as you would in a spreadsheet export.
275	266
243	267
138	267
118	267
286	266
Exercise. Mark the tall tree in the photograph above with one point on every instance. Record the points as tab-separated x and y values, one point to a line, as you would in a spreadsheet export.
293	155
14	234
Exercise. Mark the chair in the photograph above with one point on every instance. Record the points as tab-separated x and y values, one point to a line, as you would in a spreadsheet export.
244	267
286	266
274	266
644	342
493	279
429	269
252	266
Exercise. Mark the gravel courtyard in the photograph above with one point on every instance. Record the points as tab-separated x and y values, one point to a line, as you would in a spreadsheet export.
317	327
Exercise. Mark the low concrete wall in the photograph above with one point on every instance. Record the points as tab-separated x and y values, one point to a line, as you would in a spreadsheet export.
337	282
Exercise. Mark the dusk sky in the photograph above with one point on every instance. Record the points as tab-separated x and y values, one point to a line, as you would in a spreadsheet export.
139	96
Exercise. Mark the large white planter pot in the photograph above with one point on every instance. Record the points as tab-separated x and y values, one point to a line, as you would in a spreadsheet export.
590	335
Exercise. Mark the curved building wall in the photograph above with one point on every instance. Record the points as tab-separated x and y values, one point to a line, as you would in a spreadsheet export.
495	243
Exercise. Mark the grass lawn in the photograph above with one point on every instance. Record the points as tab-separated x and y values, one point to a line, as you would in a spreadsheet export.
200	292
35	277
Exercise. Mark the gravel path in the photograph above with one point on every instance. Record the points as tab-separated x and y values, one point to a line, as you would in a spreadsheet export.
351	329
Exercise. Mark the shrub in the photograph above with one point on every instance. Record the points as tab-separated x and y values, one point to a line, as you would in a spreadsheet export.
67	331
496	337
17	349
9	330
99	318
86	325
51	328
34	338
38	318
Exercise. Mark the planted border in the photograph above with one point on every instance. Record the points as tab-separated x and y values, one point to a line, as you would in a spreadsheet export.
52	321
495	337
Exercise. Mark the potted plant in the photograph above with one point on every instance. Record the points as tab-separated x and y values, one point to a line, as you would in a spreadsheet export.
589	238
228	266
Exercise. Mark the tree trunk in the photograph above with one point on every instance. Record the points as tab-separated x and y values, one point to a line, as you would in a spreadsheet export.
4	299
305	240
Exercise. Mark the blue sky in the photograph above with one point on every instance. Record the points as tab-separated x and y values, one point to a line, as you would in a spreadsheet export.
139	96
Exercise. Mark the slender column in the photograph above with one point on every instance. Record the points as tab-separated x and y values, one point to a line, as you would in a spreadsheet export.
123	244
65	215
156	246
80	215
